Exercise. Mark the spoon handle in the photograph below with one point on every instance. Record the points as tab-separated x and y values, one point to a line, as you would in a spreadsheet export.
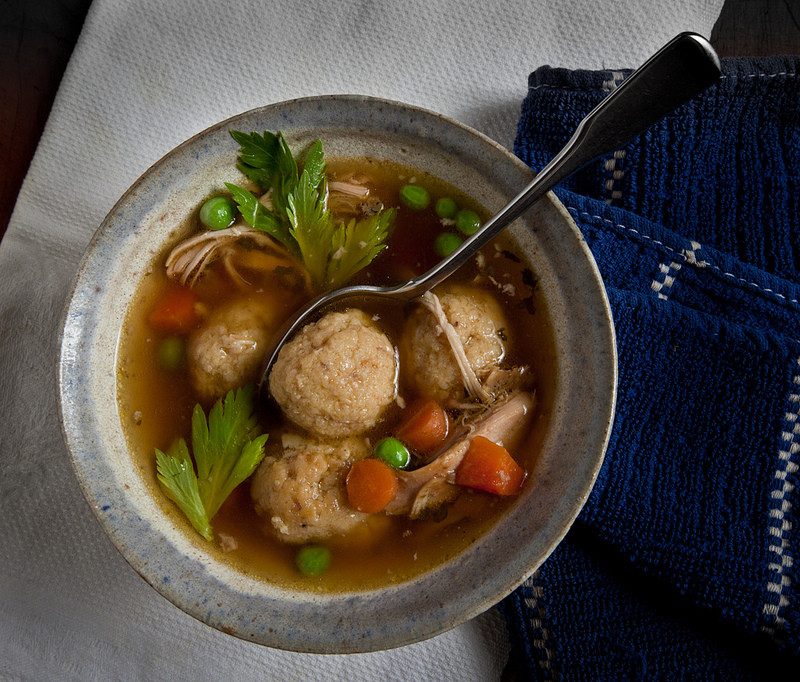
681	69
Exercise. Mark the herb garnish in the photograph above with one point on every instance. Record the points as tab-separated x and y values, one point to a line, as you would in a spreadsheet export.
226	449
299	218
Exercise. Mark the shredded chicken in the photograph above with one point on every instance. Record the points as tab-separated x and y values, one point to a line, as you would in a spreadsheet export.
187	261
474	388
426	489
190	257
352	196
350	188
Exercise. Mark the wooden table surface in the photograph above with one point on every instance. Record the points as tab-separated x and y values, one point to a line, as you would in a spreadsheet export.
37	38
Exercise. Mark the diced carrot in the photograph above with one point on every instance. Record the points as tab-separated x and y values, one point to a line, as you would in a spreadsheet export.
371	485
176	312
424	425
489	466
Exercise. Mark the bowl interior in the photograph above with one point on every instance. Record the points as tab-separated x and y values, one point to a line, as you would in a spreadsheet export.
122	251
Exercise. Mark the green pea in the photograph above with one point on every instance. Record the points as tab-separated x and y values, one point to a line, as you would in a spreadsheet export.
171	353
312	560
393	452
467	222
217	213
415	197
446	207
445	243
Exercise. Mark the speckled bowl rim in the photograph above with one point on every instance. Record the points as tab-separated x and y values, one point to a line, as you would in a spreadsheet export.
368	620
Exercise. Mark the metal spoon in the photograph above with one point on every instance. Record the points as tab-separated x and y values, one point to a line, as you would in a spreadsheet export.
681	69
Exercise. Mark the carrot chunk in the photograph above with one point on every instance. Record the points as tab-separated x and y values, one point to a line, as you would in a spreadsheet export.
489	466
424	426
371	485
176	312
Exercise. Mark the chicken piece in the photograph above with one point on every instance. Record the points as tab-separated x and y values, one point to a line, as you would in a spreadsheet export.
227	351
336	376
301	491
453	341
189	258
429	487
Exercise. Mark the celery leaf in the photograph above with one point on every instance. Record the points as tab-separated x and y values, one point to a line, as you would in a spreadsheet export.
356	244
177	478
219	442
311	228
259	217
258	156
226	448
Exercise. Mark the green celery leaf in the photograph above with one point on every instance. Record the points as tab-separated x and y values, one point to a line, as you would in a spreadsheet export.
260	217
312	228
219	442
286	177
178	480
315	164
249	458
258	156
355	245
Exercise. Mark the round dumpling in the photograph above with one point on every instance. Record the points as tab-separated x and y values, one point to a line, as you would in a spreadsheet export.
301	492
336	376
227	351
429	363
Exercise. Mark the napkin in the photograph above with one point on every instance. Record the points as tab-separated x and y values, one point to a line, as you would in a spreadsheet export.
144	77
683	563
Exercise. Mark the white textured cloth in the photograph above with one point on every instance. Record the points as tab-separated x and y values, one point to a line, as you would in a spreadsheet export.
144	76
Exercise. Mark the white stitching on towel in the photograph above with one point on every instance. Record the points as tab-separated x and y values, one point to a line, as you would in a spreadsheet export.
614	162
760	75
663	286
669	272
543	641
686	257
779	526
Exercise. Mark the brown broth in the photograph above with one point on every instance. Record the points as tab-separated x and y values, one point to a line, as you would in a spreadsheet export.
155	404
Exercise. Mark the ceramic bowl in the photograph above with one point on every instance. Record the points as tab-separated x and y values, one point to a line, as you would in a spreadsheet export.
144	220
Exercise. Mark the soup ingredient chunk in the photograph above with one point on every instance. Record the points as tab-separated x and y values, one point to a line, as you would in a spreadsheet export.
227	350
445	243
337	376
467	222
415	197
226	448
452	342
424	425
446	208
489	466
371	485
176	312
217	213
312	560
300	491
393	452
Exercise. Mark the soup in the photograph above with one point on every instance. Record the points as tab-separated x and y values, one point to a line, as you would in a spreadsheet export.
248	284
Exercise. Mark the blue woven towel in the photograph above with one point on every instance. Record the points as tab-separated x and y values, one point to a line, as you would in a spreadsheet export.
684	562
